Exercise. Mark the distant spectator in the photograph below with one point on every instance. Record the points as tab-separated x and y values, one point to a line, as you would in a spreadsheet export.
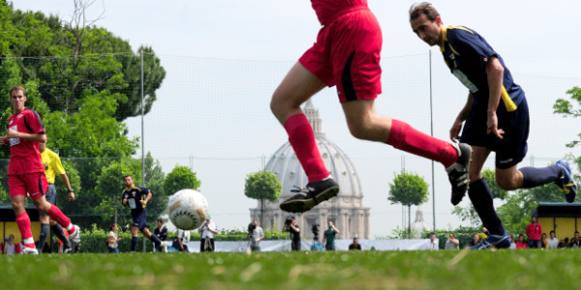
512	242
10	248
295	234
545	241
553	240
329	237
564	243
113	240
575	241
534	231
520	242
207	232
452	243
476	238
256	235
355	245
161	232
179	242
434	242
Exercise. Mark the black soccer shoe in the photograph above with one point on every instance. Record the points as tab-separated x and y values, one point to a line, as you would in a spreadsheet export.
566	182
307	198
458	173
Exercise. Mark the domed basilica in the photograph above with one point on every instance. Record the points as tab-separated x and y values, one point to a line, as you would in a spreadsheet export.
346	210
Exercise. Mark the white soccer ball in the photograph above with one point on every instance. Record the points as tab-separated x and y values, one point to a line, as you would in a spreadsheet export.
188	209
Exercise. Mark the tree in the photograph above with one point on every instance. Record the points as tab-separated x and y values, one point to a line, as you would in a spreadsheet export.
181	177
262	185
408	189
566	108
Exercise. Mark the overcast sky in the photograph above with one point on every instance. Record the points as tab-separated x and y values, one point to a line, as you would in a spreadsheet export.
225	57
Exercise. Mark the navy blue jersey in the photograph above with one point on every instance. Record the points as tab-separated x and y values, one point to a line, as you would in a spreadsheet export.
134	196
466	54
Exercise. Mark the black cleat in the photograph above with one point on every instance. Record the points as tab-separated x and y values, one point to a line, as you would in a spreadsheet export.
458	173
307	198
566	182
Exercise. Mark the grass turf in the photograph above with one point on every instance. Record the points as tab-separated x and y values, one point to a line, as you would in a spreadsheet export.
529	269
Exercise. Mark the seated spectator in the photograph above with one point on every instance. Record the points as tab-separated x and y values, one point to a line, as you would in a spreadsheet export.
476	238
544	241
564	243
434	242
521	243
553	240
512	242
575	241
355	245
179	243
9	247
452	243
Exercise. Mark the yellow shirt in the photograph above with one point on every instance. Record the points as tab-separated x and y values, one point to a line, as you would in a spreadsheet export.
52	165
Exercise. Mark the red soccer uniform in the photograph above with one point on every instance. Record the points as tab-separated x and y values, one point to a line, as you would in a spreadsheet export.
25	169
347	50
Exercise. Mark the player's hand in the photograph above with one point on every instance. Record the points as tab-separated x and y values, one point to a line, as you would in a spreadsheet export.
72	197
455	130
143	203
492	126
3	139
12	134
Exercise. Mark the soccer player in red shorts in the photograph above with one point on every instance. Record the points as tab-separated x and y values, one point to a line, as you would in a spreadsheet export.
346	54
25	170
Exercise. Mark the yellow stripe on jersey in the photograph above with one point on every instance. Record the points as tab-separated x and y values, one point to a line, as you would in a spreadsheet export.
507	100
52	165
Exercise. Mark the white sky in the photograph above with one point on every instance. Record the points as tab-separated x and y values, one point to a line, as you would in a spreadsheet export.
225	57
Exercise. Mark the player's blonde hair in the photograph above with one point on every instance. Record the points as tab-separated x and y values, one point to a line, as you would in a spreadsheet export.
18	88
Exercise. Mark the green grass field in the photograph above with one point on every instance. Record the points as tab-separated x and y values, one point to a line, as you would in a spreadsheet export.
531	269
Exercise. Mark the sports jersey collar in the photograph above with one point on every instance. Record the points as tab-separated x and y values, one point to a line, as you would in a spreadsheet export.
443	37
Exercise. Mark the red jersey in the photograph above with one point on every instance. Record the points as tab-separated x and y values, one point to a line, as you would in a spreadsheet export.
24	154
329	10
534	231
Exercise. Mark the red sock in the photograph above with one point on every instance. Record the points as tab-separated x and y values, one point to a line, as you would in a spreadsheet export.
404	137
56	214
302	139
23	222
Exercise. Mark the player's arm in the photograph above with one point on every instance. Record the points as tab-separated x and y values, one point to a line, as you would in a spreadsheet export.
495	76
462	116
148	197
67	182
25	136
336	229
124	198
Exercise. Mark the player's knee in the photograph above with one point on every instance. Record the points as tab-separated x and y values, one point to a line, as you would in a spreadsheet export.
17	204
506	183
359	130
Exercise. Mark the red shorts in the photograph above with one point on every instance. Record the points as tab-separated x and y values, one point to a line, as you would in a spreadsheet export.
31	184
347	54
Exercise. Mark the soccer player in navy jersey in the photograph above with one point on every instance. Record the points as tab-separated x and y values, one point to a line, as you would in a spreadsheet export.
495	118
137	198
26	175
347	55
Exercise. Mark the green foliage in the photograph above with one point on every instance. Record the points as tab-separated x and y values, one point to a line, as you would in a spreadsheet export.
568	108
262	185
408	189
181	177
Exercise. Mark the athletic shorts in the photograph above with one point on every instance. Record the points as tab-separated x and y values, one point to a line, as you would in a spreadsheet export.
347	54
31	184
140	220
512	149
